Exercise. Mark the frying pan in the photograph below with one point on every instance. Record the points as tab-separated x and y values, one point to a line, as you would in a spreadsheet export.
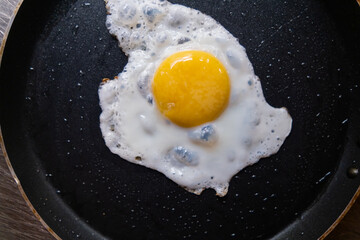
307	56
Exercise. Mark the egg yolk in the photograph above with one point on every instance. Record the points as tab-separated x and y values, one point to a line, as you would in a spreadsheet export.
191	88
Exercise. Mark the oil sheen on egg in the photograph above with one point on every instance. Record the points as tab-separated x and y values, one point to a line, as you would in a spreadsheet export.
188	103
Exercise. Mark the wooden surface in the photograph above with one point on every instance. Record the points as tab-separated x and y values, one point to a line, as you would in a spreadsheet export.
18	222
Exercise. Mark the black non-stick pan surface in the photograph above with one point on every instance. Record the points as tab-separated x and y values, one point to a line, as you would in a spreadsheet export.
307	55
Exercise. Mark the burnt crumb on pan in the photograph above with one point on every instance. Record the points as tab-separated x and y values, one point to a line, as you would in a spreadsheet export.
105	80
107	7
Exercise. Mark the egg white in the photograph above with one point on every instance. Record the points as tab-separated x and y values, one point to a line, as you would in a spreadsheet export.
132	126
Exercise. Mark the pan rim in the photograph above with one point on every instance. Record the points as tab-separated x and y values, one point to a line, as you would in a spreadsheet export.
2	143
15	10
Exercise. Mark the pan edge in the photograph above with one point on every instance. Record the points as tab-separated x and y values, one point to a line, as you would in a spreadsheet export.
14	11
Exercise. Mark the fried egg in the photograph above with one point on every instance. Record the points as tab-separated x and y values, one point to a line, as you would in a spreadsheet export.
188	103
